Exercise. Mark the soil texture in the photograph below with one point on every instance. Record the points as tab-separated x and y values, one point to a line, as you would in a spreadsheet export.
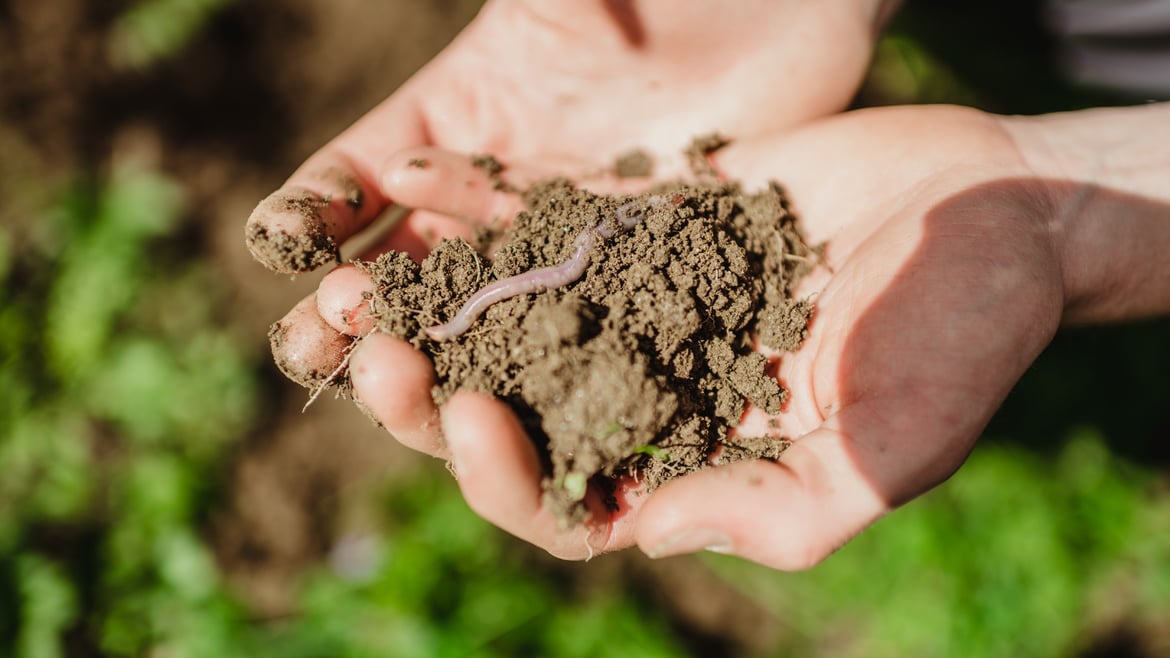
641	366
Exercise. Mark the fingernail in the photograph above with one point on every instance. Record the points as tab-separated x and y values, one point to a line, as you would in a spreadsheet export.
358	321
692	540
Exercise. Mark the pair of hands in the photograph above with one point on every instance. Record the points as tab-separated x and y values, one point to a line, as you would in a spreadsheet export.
944	275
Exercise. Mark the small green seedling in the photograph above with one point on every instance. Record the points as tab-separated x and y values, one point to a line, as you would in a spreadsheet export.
574	485
653	451
610	430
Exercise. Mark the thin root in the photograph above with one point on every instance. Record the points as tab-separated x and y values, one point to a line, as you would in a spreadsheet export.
333	376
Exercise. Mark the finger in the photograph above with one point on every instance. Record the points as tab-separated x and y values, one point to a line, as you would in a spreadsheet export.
500	476
343	296
787	515
477	189
306	349
392	381
484	190
419	233
334	194
343	299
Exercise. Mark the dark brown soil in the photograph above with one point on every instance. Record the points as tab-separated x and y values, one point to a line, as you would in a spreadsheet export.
699	151
642	366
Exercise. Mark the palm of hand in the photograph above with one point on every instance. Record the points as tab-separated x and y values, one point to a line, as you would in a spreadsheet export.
552	87
585	80
942	287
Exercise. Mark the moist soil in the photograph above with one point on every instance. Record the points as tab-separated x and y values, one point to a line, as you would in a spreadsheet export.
641	367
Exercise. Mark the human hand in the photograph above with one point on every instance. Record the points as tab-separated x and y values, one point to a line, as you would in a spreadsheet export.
957	244
566	86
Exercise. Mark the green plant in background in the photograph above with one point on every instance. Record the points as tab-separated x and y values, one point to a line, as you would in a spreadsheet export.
1015	556
122	392
438	581
153	30
120	395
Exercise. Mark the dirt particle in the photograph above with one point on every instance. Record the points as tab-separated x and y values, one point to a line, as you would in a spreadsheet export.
494	170
634	164
699	152
490	165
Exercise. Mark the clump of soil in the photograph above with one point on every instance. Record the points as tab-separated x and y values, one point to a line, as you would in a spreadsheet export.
698	153
640	367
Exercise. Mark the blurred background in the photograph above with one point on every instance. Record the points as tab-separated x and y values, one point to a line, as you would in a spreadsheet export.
161	493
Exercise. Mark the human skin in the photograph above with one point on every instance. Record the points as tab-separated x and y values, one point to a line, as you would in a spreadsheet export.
958	242
564	86
555	87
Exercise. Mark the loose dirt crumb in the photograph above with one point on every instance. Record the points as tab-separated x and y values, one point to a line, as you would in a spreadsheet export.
699	152
634	164
495	170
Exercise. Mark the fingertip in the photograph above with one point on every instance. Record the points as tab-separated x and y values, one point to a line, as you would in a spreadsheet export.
287	233
301	226
719	510
305	348
393	381
343	299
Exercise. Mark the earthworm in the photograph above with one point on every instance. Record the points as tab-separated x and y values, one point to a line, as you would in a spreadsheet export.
543	278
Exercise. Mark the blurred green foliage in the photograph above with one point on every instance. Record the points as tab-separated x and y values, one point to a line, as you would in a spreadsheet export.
437	581
123	392
153	30
1017	555
113	420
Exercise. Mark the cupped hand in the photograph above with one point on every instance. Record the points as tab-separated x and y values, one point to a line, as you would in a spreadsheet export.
565	86
942	282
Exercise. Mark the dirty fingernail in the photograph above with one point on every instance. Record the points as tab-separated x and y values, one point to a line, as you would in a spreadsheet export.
692	540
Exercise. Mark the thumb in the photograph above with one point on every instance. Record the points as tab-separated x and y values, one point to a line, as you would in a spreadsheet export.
789	515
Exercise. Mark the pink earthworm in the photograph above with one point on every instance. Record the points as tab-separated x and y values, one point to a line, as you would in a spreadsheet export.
542	278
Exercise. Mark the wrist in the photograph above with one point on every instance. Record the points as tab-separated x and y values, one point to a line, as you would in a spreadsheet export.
1107	178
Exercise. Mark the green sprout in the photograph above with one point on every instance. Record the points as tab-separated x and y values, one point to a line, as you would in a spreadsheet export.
574	485
653	451
608	431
